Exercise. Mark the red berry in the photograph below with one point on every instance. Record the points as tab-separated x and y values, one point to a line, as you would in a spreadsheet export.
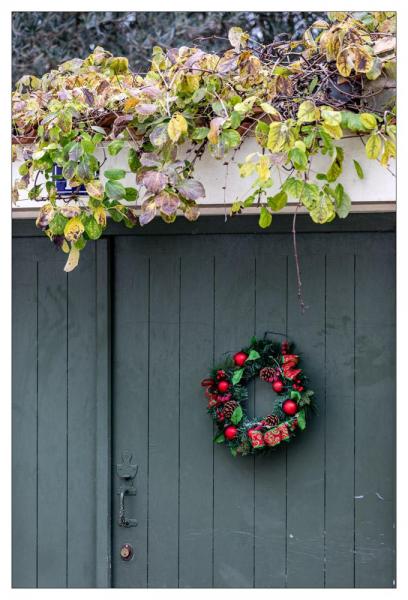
277	386
223	386
207	382
300	388
240	358
289	407
230	432
221	374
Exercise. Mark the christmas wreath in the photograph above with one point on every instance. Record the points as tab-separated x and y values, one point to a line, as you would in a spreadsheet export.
227	393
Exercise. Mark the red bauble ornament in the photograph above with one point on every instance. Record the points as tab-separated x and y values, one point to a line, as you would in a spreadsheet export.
223	386
240	358
230	432
277	386
289	407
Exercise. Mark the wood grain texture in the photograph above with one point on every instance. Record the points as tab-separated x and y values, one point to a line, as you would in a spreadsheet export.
164	421
306	475
81	430
233	477
375	420
103	353
130	394
55	528
24	421
196	468
270	471
339	420
52	425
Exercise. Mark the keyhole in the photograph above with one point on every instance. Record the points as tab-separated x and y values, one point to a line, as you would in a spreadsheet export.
126	552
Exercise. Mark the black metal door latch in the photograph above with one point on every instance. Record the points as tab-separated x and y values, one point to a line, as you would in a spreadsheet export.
127	472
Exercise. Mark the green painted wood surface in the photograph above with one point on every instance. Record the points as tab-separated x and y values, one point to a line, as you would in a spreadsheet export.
55	437
292	519
317	513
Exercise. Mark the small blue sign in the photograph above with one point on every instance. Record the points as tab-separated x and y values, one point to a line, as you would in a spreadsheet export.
63	189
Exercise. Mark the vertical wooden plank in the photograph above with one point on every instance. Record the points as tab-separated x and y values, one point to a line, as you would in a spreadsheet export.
375	418
130	405
81	436
103	415
339	415
52	424
163	519
196	446
24	420
233	477
305	477
270	471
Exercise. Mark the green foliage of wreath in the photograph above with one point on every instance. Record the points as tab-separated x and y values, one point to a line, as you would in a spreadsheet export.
297	97
227	394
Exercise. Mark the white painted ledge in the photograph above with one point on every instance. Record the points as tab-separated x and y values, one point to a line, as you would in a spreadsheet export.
223	185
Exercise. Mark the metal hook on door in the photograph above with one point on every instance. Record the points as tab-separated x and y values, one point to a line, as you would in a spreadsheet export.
126	471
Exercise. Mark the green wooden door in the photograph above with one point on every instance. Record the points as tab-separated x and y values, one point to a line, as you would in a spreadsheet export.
318	513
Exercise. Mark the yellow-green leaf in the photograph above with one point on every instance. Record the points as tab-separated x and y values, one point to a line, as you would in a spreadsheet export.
278	201
275	137
73	259
368	120
373	146
280	137
331	117
263	168
100	215
306	112
95	189
389	152
237	38
335	131
324	211
265	218
358	169
236	207
118	64
336	16
192	82
344	63
177	127
363	60
246	169
73	229
269	109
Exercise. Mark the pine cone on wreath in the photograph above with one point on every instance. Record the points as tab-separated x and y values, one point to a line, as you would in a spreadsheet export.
229	408
271	420
268	374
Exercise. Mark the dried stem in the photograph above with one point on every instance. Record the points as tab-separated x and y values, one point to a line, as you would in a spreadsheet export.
298	274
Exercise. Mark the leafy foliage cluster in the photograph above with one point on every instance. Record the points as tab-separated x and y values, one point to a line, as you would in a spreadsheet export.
297	97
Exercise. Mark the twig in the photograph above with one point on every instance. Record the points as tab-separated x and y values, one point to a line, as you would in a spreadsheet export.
296	255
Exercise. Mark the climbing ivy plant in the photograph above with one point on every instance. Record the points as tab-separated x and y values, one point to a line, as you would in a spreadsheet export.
297	97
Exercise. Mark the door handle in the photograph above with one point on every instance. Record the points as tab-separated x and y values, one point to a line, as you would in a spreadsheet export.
127	472
123	520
